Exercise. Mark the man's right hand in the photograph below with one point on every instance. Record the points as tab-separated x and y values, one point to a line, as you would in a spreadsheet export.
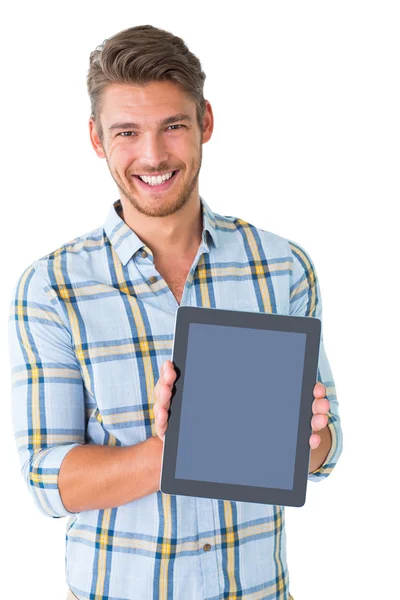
162	395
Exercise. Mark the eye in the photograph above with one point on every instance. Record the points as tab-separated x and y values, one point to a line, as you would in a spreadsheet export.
180	126
125	133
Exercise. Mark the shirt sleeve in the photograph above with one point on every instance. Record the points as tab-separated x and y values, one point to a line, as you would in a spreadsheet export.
305	300
47	390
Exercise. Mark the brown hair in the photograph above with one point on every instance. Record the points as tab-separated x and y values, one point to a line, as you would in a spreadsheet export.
140	55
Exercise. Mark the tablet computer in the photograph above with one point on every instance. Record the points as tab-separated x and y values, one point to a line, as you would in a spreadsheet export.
241	407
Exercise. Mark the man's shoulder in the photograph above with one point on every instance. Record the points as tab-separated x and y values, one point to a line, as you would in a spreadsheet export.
273	245
270	241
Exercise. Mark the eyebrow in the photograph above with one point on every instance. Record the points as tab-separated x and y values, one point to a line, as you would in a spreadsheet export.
167	121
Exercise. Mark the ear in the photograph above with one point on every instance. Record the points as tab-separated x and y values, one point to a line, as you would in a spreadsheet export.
95	140
208	123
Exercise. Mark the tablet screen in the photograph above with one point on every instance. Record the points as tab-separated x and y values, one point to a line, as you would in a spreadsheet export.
240	400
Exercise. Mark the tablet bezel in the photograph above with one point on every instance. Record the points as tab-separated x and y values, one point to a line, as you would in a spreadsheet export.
311	326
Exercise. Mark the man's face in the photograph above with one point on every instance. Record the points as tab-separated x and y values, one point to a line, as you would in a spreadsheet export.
138	140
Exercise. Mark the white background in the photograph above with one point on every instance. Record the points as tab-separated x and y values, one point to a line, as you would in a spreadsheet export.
306	144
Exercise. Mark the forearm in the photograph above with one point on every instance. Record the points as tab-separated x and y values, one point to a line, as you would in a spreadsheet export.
318	455
96	477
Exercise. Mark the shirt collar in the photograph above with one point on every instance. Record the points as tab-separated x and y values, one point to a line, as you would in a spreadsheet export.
125	241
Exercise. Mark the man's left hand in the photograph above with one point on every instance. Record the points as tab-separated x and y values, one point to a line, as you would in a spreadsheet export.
320	408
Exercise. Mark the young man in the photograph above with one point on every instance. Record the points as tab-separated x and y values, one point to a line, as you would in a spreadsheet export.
91	334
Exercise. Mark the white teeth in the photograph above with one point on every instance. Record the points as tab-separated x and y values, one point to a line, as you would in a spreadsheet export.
156	180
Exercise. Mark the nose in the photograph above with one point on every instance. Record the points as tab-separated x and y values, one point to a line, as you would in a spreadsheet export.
153	149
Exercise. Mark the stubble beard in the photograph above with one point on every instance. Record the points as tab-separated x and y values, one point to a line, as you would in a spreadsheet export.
165	209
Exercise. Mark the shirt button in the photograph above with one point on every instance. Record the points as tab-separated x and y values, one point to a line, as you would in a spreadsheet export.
143	254
206	547
152	279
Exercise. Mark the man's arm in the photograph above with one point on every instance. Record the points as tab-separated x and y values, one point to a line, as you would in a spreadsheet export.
62	472
305	300
95	477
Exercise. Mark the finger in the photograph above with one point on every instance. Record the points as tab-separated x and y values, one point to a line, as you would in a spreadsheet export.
318	422
168	374
163	393
319	390
320	406
164	396
163	399
315	441
167	364
162	417
161	423
167	377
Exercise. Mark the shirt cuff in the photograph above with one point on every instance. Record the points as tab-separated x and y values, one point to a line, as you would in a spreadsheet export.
42	474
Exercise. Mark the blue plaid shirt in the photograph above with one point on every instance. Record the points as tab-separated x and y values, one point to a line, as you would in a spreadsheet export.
90	326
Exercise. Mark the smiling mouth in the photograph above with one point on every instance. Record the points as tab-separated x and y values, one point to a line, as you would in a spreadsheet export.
157	185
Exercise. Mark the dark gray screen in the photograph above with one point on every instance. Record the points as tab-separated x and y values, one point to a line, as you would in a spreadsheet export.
240	406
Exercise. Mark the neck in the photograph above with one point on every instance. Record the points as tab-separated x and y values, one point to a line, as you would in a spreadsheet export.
178	234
